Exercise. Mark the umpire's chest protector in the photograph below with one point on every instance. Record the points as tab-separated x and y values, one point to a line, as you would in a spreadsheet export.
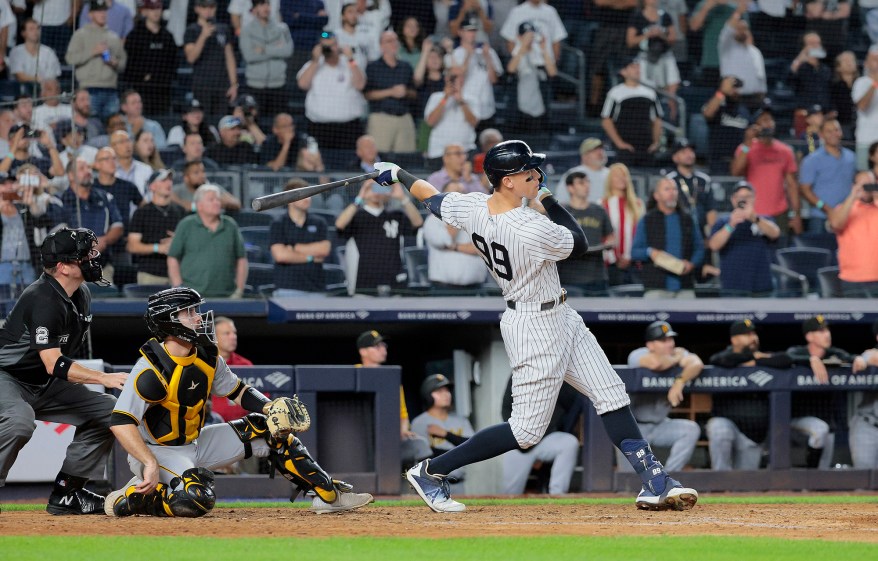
177	389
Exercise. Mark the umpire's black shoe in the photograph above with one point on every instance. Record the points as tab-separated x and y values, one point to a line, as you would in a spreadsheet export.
75	501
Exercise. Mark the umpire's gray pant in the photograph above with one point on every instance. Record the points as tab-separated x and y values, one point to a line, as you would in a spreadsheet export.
59	401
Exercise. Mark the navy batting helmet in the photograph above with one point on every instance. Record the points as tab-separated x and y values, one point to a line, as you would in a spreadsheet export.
430	385
510	157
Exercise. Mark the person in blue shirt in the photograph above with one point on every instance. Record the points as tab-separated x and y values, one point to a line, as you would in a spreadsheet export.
826	175
668	244
745	242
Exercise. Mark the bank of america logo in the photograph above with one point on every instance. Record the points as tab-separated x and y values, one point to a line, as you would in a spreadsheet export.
278	379
362	314
760	377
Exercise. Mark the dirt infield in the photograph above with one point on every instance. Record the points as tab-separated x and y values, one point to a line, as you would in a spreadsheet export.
846	522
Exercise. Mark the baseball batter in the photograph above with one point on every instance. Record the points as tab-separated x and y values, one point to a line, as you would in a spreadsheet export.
546	340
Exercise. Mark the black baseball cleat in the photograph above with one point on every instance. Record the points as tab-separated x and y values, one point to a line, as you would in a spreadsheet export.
75	501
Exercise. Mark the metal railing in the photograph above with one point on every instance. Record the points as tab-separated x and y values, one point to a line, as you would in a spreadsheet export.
578	81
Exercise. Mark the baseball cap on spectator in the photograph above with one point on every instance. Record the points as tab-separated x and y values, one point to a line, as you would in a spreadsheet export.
16	127
369	339
471	23
659	330
743	184
627	61
765	108
258	2
246	101
205	2
814	109
193	105
160	175
590	144
96	5
526	26
742	327
682	144
151	4
816	323
229	122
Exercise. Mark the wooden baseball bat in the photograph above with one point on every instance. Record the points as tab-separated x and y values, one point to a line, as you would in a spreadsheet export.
286	197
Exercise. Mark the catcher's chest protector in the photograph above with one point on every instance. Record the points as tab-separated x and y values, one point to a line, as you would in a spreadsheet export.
177	389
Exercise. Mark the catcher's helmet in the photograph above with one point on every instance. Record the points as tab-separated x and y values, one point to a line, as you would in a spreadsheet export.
430	385
509	157
162	311
73	245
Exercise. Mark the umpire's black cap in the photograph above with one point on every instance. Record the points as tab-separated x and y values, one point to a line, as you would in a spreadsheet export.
369	339
816	323
659	330
742	327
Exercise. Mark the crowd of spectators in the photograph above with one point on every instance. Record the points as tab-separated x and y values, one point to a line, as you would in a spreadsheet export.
278	86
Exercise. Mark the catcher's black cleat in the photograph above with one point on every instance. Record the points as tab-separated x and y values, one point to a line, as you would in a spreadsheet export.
75	501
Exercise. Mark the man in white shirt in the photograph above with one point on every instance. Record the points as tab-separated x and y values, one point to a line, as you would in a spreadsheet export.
23	59
863	95
363	44
52	109
334	103
128	168
57	31
482	68
452	116
738	56
546	21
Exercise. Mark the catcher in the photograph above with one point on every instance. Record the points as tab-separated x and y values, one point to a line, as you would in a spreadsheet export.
160	414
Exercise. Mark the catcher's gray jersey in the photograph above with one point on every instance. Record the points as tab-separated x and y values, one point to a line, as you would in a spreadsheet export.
520	247
189	397
546	340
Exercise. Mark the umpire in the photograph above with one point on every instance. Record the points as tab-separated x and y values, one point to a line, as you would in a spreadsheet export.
39	380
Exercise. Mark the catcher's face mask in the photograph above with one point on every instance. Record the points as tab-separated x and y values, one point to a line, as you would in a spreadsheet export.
199	322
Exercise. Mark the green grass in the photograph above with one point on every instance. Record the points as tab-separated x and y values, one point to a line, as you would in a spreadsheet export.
709	499
664	548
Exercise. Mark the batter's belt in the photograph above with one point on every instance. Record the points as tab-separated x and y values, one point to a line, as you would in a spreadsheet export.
537	306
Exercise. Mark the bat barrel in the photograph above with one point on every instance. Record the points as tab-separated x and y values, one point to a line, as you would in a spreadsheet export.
286	197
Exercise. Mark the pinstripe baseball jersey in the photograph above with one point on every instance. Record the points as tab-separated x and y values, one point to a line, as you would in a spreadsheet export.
520	247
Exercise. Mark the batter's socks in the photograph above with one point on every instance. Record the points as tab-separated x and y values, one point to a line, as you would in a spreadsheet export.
644	462
620	425
485	444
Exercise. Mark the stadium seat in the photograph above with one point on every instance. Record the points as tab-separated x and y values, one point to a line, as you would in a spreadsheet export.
789	283
259	275
824	240
256	244
142	291
336	279
805	261
248	218
415	259
627	291
830	284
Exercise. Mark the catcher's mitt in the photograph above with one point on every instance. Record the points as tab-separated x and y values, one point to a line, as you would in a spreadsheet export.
286	415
